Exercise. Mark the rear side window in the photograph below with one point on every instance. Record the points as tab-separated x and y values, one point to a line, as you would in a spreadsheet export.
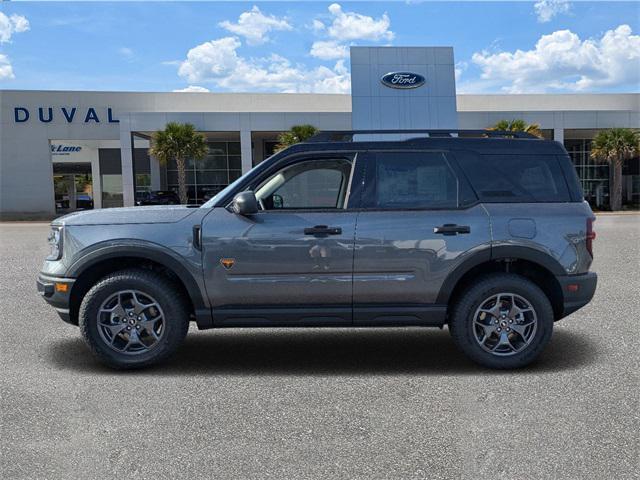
414	180
515	178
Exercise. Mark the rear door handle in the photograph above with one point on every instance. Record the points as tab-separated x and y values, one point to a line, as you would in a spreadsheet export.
322	230
451	229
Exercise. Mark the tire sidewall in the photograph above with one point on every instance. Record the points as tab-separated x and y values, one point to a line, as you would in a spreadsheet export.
174	312
463	320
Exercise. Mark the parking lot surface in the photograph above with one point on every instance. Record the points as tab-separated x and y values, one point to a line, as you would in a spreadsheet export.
322	403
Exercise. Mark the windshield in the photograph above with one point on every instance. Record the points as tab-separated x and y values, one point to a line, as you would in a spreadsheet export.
232	186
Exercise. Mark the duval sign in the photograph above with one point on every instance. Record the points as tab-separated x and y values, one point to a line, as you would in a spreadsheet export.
402	80
67	114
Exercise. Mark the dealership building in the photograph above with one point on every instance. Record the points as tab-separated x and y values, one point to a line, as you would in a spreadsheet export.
66	150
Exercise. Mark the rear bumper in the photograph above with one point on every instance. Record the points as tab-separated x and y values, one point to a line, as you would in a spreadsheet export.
577	290
58	297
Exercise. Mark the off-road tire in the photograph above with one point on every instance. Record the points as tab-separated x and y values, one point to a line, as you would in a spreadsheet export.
461	321
162	289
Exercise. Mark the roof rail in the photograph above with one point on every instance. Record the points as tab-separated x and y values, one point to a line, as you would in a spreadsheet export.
347	135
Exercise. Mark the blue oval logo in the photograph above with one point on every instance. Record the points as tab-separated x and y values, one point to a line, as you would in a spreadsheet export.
402	80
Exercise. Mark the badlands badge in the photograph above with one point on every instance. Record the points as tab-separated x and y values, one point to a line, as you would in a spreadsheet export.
227	263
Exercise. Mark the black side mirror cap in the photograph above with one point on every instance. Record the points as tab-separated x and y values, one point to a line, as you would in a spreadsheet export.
245	203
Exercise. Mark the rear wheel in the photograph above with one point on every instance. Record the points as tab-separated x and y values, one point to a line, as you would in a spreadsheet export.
502	321
133	318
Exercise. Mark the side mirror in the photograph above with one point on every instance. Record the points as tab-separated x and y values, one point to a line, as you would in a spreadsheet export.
245	203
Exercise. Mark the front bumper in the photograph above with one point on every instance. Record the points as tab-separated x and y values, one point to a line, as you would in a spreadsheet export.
577	290
54	292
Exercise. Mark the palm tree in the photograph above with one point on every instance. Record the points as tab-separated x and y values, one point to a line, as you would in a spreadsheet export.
517	125
179	142
297	134
614	147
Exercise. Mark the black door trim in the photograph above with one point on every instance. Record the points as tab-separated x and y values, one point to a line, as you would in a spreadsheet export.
432	315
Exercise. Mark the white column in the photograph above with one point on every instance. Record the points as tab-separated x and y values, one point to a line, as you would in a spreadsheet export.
245	150
558	135
126	156
96	181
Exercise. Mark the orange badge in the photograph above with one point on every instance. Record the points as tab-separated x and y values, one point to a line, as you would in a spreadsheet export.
227	263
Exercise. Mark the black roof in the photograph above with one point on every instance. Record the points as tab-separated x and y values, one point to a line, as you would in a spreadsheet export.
481	141
347	135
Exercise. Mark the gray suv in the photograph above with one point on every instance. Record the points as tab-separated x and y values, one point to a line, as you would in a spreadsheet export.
486	232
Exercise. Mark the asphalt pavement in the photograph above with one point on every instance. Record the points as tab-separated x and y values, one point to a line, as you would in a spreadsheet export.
322	403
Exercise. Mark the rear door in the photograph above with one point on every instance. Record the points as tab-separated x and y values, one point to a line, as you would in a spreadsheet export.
419	220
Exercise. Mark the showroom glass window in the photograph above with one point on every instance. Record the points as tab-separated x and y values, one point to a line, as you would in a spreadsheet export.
208	176
594	176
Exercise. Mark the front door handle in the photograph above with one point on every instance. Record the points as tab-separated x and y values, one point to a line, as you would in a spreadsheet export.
322	230
451	229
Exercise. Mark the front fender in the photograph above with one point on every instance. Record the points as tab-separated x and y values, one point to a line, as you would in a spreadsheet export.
188	270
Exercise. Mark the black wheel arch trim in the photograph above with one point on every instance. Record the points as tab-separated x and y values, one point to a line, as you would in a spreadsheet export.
520	252
454	277
150	251
516	252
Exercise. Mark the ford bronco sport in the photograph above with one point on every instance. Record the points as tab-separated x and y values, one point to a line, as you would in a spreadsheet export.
485	232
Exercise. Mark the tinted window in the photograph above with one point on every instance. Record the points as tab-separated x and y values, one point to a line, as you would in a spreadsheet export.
319	188
414	180
515	178
304	185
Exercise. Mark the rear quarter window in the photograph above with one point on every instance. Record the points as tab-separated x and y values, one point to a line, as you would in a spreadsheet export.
515	178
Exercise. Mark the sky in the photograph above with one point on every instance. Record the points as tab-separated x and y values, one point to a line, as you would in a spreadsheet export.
543	46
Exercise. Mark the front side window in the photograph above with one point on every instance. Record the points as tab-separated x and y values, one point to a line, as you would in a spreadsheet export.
410	180
311	184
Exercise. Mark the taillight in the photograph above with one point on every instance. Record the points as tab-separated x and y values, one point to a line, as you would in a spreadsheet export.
591	235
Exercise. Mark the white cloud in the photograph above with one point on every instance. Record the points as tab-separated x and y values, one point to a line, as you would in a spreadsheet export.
254	26
317	25
10	25
459	69
218	62
329	50
192	88
126	52
355	26
547	9
562	61
345	27
6	70
210	59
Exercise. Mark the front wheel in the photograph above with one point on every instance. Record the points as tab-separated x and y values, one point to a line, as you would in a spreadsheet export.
502	321
133	318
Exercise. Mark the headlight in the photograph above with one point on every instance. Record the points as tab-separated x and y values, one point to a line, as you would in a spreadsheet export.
55	243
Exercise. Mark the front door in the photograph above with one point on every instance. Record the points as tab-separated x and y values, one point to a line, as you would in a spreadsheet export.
73	186
417	223
292	262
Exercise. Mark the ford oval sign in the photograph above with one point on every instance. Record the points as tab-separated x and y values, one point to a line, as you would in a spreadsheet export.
402	80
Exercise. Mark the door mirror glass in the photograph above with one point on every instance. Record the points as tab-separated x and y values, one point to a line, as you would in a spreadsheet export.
278	202
245	203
